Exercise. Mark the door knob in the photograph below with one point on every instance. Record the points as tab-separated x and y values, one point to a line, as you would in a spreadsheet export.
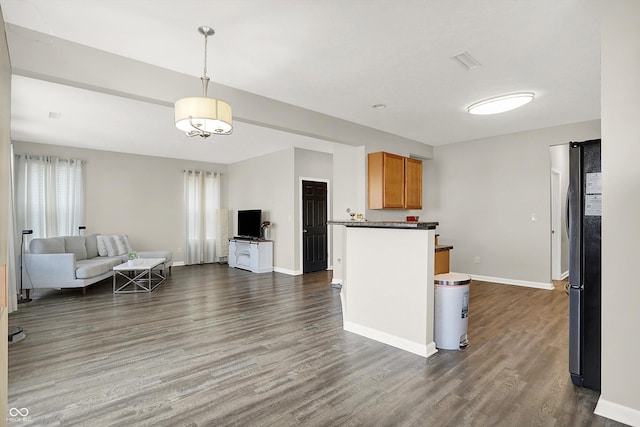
304	231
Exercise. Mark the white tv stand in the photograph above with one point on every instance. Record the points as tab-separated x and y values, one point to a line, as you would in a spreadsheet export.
253	255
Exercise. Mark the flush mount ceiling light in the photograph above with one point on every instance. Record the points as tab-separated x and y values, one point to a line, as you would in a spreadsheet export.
202	116
500	104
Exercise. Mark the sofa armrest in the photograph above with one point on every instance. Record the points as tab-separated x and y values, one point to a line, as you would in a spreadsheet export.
39	269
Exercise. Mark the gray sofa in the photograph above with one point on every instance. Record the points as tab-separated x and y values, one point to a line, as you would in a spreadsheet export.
75	261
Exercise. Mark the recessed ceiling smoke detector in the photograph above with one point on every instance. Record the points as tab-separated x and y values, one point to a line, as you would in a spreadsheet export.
501	104
466	60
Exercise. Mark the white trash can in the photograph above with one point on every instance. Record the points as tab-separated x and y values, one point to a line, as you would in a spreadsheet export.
451	310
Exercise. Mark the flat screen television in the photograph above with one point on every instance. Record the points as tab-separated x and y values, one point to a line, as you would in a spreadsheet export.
249	223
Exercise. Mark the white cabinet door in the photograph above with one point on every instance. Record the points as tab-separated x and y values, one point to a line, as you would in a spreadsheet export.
232	253
254	254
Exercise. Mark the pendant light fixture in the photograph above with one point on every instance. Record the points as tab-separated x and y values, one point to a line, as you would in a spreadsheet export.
500	104
203	116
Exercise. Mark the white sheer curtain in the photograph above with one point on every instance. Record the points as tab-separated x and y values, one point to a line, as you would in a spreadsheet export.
49	195
201	204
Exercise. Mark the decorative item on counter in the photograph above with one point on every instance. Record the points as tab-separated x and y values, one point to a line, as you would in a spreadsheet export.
360	217
412	218
351	214
265	229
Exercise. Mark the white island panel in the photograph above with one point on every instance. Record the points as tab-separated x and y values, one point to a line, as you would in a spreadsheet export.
388	287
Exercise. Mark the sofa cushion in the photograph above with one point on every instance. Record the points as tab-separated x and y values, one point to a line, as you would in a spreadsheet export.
167	255
75	245
88	268
91	242
51	245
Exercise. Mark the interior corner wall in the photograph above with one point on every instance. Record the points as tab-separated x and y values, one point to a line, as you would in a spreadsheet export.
620	398
349	192
313	165
141	196
268	183
486	193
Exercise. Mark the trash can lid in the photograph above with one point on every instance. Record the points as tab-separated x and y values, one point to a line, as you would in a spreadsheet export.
451	279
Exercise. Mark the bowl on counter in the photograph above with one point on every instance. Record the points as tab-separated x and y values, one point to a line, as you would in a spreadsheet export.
412	218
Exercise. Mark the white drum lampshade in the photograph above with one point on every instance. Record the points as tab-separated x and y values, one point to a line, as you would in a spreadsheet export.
208	115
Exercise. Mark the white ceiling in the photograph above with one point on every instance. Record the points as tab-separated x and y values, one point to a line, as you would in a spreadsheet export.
337	57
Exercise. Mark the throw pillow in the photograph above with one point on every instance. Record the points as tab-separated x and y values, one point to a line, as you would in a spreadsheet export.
113	245
110	244
102	248
122	244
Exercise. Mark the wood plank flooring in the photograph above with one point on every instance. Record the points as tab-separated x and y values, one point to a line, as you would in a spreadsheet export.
215	346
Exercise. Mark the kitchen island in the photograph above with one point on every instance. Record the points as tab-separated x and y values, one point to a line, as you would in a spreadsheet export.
388	291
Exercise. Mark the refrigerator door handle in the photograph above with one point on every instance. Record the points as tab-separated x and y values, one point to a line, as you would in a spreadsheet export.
566	218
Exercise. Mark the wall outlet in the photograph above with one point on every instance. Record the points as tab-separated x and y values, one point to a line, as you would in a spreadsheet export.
477	260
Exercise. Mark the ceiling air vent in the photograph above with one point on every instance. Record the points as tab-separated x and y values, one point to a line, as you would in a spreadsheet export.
467	60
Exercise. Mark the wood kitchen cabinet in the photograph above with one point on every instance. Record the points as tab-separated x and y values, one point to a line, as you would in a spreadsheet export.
395	182
413	183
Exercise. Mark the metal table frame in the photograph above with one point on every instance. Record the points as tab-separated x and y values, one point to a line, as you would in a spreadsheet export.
145	281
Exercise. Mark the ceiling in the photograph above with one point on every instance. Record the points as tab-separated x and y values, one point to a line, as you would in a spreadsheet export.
335	57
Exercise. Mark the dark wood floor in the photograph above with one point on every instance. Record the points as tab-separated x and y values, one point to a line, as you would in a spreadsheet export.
215	346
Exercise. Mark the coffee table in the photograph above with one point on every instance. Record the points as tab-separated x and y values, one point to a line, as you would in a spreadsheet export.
145	279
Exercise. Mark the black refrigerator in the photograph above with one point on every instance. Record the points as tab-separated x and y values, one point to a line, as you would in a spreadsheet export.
584	220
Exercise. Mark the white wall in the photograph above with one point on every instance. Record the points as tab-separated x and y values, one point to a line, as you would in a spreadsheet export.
484	194
141	196
620	398
560	163
349	192
268	183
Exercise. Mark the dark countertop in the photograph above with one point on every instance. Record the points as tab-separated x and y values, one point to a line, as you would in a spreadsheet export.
443	248
387	224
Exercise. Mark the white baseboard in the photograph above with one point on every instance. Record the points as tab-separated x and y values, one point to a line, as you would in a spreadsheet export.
617	412
286	271
564	275
178	264
392	340
335	281
525	283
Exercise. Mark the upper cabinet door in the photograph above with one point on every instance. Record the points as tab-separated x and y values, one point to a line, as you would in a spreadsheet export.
391	184
393	196
413	183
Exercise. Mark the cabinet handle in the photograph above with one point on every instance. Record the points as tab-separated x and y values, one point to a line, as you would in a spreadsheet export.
304	230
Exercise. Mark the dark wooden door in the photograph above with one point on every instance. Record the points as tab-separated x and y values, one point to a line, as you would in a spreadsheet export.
314	226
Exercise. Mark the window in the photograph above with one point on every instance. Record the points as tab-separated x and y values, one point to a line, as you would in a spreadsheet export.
201	211
49	195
